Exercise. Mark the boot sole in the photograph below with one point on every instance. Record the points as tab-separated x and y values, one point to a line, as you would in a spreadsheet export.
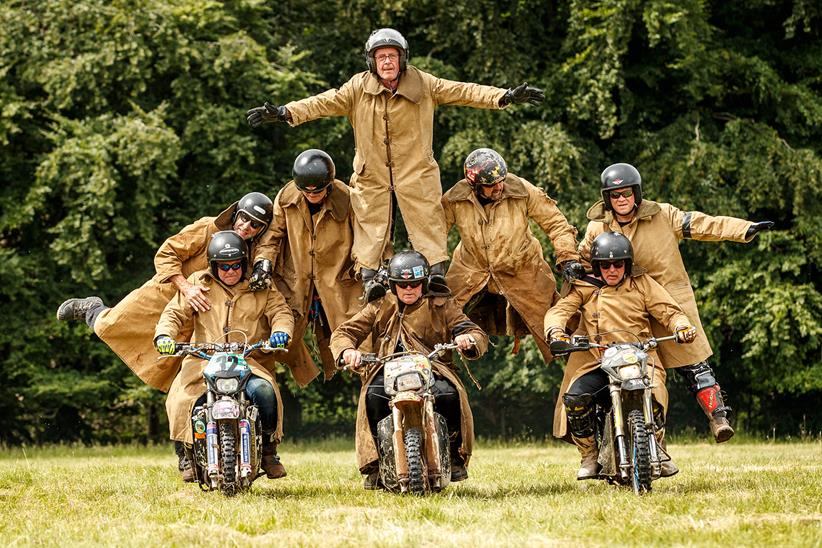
724	435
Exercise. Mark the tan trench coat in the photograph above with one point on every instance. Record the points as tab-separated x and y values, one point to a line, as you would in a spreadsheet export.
313	255
499	252
655	232
393	135
257	314
628	307
429	321
128	327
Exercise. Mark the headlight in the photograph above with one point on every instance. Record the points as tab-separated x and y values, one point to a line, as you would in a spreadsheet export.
628	372
227	386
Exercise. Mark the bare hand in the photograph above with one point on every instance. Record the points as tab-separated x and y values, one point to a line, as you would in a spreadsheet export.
465	342
195	295
352	359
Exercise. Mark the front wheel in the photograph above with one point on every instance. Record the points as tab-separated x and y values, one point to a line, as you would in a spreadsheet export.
413	453
228	456
640	452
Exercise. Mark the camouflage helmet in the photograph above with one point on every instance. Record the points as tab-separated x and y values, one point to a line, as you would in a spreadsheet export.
484	167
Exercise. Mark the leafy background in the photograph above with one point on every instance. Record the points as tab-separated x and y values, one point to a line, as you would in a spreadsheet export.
121	121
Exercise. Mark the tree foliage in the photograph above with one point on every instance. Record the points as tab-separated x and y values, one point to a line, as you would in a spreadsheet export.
120	122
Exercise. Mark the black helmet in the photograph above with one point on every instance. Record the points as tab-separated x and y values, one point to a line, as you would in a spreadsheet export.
226	245
611	246
258	206
618	176
313	170
382	38
484	167
408	266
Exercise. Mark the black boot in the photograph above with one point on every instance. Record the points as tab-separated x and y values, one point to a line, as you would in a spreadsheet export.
436	280
372	287
183	464
459	472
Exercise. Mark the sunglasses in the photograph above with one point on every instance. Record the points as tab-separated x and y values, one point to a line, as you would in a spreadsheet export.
226	267
246	218
615	194
607	265
408	285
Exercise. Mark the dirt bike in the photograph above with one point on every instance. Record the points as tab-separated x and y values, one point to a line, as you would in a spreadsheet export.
412	441
227	433
628	451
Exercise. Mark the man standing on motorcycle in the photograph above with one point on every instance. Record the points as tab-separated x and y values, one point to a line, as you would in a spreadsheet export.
498	272
655	230
615	306
311	237
408	319
391	109
234	307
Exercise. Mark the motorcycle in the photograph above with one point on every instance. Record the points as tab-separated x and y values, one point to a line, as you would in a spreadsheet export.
628	451
227	433
412	440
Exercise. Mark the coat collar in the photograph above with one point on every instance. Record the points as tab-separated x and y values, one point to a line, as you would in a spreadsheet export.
337	203
514	188
225	220
410	84
597	212
206	277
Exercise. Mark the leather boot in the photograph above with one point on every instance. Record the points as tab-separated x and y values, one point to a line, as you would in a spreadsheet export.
458	470
710	400
270	463
372	289
183	464
667	468
76	309
371	477
588	465
436	280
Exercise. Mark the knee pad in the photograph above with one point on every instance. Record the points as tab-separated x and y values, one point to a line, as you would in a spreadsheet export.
580	411
698	376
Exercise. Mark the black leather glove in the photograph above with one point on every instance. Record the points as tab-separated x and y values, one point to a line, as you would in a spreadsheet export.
523	94
756	228
266	114
260	276
572	270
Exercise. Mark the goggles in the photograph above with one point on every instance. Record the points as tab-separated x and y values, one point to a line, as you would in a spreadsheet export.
408	284
225	267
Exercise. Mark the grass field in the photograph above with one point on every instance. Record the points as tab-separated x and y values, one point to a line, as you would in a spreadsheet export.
737	494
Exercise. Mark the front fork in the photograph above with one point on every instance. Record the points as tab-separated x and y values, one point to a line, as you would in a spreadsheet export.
650	427
619	432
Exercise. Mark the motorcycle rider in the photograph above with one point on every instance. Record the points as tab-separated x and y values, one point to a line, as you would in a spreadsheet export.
391	109
619	301
409	319
128	327
655	230
311	237
258	315
498	273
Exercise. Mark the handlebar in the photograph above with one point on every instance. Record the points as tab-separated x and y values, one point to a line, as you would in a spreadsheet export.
204	350
577	344
371	358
